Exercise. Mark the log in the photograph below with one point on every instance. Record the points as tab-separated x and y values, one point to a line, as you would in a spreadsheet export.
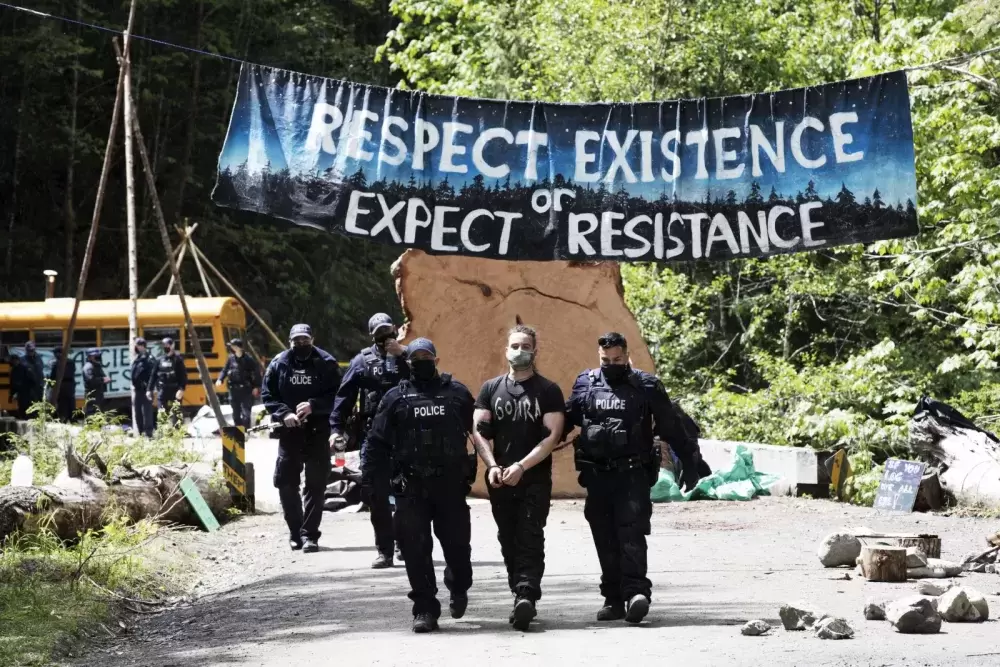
930	495
74	504
881	563
968	460
929	544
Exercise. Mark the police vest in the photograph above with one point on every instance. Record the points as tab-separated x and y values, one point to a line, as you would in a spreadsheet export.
301	380
613	417
430	431
378	382
166	374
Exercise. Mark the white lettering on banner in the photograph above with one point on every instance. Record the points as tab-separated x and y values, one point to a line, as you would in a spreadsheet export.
116	361
521	409
610	404
428	411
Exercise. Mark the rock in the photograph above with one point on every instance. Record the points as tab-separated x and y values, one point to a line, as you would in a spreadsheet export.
837	549
935	569
875	610
956	606
797	618
755	628
978	600
914	615
915	558
834	628
453	300
934	588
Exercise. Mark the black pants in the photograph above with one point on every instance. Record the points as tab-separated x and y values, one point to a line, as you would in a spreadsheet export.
618	510
241	399
166	398
304	447
93	403
66	405
383	520
521	512
438	502
145	417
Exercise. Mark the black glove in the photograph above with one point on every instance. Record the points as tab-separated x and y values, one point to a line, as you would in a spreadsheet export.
689	474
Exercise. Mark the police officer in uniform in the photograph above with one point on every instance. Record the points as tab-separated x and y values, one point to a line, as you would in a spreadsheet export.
65	402
299	387
142	368
31	384
94	382
618	409
420	434
244	380
168	379
373	372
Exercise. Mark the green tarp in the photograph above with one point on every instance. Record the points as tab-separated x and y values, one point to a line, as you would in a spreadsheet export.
740	482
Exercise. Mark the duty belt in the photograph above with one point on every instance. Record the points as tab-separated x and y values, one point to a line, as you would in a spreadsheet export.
615	465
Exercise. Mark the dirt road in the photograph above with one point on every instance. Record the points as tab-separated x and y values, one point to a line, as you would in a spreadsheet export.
713	565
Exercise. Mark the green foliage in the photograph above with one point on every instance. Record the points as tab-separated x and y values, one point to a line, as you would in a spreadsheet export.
862	486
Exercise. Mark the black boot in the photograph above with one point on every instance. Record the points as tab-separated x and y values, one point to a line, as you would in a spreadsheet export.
310	546
424	622
611	611
524	611
638	607
295	544
382	562
458	606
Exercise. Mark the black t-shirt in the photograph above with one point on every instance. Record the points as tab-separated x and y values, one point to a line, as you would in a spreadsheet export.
517	409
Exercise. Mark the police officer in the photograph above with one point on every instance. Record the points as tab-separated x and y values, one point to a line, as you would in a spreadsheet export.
142	369
31	384
618	409
299	387
65	402
94	382
244	380
373	372
419	434
168	380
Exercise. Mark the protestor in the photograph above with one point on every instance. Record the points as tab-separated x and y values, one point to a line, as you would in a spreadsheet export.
419	435
373	371
300	385
168	380
521	414
243	373
95	381
618	409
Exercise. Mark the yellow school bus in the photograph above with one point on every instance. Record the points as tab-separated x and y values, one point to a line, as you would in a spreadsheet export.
104	324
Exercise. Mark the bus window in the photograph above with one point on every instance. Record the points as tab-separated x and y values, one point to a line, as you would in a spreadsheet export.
114	337
48	339
9	339
206	336
85	338
154	335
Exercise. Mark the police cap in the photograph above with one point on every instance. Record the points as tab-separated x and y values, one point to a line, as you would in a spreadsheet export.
300	330
419	344
94	352
140	341
238	342
167	341
377	321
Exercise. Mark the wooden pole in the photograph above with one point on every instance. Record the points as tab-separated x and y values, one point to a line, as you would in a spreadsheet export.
229	286
133	261
180	260
102	185
197	263
159	274
206	379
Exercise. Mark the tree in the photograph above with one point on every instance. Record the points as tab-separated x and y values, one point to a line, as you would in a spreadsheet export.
755	197
845	197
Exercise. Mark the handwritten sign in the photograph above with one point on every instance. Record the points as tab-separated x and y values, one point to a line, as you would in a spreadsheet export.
898	489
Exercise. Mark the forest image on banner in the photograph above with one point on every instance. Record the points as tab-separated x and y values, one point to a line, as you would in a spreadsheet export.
742	176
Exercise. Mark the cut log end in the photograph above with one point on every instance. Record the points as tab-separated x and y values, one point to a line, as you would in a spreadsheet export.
929	544
882	563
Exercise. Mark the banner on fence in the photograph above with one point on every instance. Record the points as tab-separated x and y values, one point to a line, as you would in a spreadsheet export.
743	176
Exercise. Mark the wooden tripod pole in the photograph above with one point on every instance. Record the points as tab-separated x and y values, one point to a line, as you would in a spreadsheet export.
133	260
206	379
159	274
102	185
229	286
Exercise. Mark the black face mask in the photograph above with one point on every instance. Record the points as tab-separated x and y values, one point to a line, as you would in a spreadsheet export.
423	369
167	349
302	352
615	373
382	339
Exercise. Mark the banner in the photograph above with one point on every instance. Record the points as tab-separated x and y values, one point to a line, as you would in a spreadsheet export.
746	176
116	360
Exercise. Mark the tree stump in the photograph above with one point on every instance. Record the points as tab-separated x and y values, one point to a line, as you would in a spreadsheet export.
929	544
882	563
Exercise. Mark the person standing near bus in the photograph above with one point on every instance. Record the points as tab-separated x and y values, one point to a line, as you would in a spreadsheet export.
94	382
244	382
31	380
142	369
65	402
168	380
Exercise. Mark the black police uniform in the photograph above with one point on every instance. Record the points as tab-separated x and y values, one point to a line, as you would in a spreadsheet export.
142	370
28	382
168	377
65	402
618	464
420	434
244	375
289	381
369	376
93	385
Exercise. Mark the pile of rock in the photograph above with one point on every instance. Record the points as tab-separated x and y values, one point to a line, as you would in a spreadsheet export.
843	548
923	613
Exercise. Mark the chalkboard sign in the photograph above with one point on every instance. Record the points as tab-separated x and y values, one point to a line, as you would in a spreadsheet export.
898	489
